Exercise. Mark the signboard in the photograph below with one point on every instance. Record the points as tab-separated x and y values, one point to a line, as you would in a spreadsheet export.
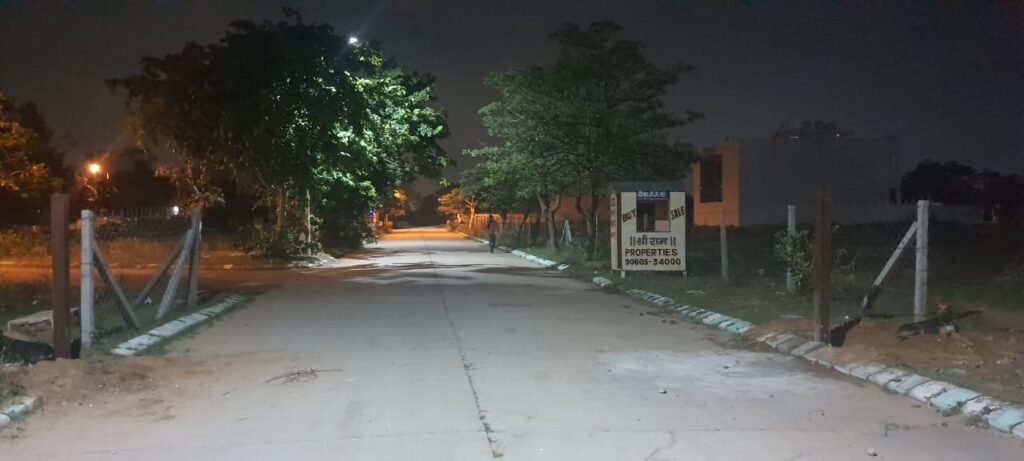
649	233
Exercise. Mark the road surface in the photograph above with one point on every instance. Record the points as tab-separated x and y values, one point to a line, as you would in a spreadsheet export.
433	349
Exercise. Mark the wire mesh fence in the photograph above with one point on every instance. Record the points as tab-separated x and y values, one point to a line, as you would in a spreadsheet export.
138	250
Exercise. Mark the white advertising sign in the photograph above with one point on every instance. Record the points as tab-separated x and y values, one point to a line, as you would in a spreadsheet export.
652	231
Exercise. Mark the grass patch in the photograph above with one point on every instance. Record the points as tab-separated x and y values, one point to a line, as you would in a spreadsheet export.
9	388
22	295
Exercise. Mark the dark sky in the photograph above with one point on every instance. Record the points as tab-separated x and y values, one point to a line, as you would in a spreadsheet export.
949	80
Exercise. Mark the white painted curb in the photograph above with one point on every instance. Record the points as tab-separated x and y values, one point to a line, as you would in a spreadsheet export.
170	329
14	412
529	257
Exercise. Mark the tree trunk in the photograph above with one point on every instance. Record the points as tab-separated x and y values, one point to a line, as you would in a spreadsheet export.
591	218
279	224
548	210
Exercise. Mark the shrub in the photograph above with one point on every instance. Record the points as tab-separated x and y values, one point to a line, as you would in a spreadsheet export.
795	252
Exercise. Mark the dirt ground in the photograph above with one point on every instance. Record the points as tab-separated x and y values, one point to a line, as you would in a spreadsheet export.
107	382
987	355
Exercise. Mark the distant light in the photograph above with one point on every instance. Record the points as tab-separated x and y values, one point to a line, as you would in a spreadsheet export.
95	168
175	210
353	40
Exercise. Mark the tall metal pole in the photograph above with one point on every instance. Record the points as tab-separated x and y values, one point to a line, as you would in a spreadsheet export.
921	262
791	228
86	310
61	274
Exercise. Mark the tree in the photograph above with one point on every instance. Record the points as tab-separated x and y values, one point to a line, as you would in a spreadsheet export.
291	109
1002	195
947	182
496	181
594	116
136	184
455	203
31	166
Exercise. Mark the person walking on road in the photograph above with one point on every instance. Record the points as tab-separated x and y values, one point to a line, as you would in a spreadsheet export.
492	231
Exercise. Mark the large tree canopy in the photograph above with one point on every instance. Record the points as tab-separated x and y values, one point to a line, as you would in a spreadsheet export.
288	107
31	166
594	116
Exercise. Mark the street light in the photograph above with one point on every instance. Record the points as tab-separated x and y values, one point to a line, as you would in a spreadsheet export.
353	40
94	168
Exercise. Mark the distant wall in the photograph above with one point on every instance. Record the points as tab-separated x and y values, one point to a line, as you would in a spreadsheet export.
709	213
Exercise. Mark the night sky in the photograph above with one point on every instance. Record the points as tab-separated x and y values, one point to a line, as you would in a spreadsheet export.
948	80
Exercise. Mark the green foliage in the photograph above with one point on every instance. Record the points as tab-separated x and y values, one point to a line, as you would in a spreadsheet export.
31	166
455	203
594	116
262	240
795	251
287	108
497	181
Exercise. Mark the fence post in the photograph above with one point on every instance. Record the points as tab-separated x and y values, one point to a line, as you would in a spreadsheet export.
61	274
723	245
86	309
921	262
823	266
791	229
193	265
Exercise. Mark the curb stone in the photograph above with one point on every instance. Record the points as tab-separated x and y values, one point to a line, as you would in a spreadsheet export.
951	400
866	370
982	406
17	411
174	327
787	346
822	356
926	391
942	395
807	348
1007	418
904	384
775	341
887	375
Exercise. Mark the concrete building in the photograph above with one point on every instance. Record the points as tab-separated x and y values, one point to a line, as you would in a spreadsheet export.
754	179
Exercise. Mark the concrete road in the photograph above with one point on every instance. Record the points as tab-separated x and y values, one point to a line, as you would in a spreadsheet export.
433	349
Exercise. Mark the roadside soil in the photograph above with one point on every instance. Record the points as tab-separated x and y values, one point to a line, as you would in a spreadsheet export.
982	356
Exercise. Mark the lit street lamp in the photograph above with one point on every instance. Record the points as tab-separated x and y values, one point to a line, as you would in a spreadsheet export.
94	168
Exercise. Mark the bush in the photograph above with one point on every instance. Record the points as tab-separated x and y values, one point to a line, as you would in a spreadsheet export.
262	240
795	252
24	241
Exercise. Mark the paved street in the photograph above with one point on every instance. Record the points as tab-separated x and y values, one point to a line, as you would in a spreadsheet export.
433	349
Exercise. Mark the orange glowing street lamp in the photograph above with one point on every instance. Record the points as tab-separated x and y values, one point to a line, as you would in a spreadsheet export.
94	168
